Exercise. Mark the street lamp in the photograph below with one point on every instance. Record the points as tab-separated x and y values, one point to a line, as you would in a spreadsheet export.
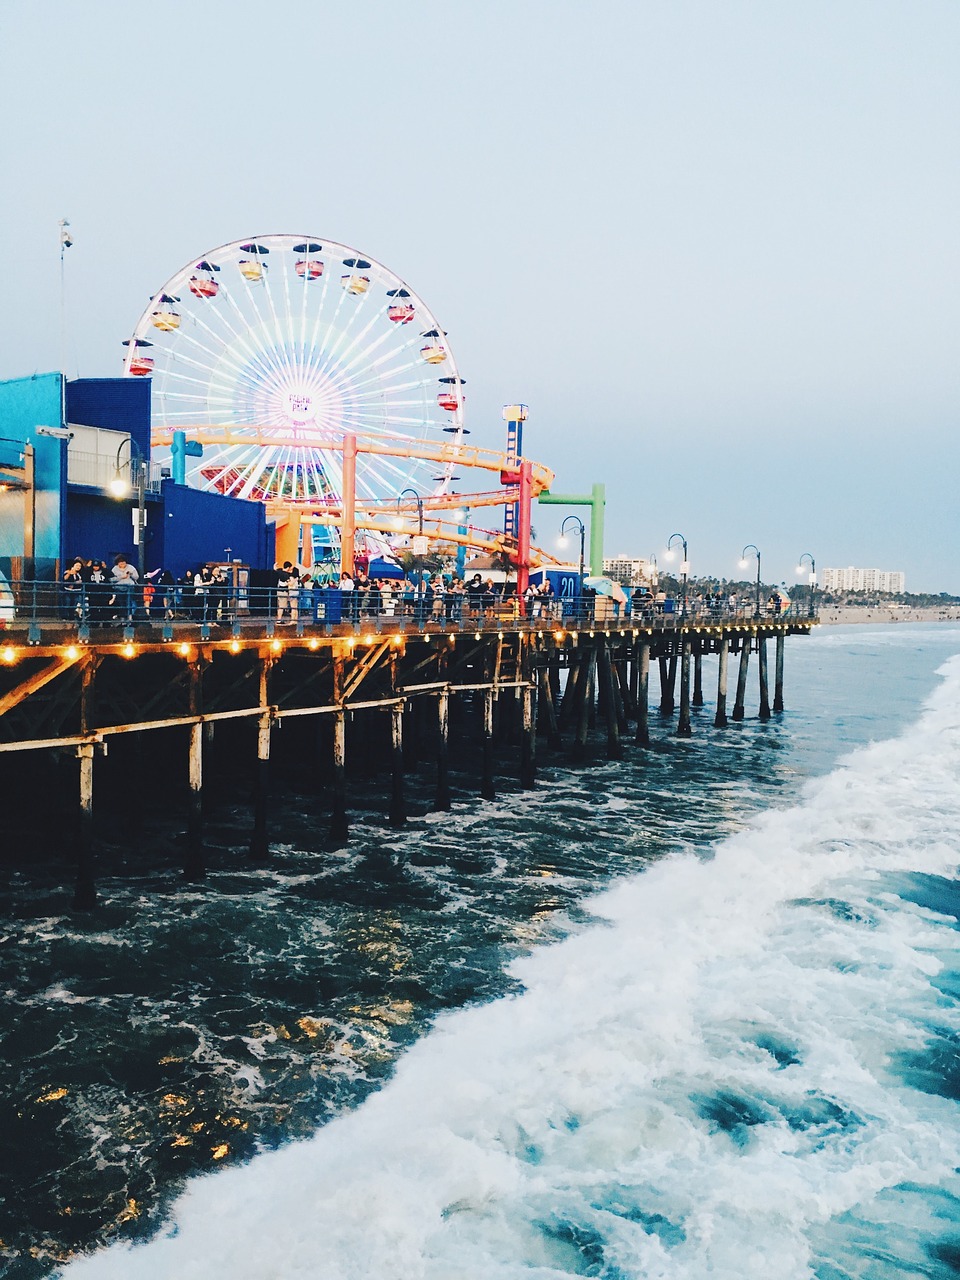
581	529
418	548
120	488
743	564
813	575
684	568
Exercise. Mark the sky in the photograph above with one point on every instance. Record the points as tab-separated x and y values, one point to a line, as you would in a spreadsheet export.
712	244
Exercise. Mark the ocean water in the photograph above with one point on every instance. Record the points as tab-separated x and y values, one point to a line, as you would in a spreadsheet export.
691	1015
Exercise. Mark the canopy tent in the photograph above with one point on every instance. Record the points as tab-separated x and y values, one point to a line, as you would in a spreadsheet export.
380	568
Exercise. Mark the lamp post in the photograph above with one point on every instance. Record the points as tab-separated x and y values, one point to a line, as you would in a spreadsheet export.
743	564
684	569
813	575
417	546
120	487
581	529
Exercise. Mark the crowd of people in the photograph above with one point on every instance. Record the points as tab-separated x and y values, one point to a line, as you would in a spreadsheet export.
94	593
99	595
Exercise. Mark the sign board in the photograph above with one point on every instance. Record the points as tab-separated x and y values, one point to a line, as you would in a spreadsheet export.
421	545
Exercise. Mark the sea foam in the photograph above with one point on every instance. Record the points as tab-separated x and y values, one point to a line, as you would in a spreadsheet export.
712	1079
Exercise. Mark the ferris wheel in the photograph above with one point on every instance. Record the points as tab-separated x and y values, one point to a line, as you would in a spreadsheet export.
290	342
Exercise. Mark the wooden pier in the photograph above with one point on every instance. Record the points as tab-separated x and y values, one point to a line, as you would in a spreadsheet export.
529	678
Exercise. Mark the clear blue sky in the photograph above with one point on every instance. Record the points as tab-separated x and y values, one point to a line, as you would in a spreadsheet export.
712	244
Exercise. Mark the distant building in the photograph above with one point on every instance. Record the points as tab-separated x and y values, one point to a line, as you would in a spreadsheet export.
629	571
881	580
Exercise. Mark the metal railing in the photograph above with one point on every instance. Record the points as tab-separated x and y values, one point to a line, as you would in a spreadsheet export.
85	607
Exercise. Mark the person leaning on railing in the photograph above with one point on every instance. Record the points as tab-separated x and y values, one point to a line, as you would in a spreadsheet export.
124	579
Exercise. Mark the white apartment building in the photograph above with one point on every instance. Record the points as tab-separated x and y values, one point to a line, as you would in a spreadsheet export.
629	571
851	579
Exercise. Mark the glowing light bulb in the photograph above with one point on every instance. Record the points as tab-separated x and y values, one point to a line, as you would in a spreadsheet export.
234	646
129	651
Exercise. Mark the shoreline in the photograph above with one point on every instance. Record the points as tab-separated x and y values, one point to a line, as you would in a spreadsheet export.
844	615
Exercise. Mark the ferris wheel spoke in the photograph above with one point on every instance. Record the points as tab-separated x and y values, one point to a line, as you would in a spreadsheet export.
282	328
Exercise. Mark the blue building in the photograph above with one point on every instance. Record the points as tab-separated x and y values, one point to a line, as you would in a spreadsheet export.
62	445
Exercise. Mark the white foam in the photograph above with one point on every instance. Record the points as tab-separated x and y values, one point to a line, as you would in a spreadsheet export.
516	1134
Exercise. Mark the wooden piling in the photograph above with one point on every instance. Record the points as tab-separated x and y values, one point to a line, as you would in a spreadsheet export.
642	735
634	679
668	684
261	780
528	738
442	799
487	790
698	675
605	669
778	674
85	891
585	696
193	867
339	825
762	673
738	706
720	719
398	805
547	712
683	724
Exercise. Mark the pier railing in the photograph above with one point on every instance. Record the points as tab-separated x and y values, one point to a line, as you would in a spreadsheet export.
85	609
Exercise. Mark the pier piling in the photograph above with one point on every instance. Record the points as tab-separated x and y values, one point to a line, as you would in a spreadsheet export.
398	806
720	719
642	734
85	892
442	799
339	825
683	724
487	790
762	675
740	702
778	674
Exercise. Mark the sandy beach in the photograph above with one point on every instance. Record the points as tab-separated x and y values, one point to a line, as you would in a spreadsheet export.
841	615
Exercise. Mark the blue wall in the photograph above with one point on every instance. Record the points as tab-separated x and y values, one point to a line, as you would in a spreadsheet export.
185	528
25	404
197	527
99	527
117	404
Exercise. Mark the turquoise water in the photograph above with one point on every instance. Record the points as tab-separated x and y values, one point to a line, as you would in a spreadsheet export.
692	1014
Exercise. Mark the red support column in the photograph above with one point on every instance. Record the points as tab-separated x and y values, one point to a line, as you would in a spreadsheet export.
523	527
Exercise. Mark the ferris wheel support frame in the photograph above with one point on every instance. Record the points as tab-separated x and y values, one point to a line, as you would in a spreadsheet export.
522	480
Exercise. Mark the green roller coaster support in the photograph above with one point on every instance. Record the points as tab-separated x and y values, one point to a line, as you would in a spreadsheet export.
596	500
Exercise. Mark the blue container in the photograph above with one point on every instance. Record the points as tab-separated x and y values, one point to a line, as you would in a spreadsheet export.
669	605
329	604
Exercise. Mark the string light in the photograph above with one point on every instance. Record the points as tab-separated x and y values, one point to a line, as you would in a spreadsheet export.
129	651
314	643
184	651
9	654
72	652
558	635
234	646
276	646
